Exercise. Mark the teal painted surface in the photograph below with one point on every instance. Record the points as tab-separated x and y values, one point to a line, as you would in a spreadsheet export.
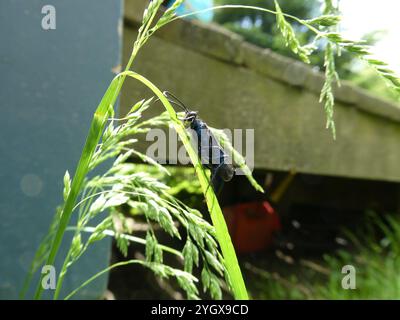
50	84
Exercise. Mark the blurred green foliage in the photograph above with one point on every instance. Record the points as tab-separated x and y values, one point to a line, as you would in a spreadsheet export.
374	253
260	29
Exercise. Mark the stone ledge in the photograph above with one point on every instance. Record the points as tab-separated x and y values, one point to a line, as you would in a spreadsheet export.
288	120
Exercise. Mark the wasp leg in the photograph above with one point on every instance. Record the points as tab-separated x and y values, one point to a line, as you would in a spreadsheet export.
216	183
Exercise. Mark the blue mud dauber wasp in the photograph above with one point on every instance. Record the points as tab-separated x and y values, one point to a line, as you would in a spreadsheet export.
212	155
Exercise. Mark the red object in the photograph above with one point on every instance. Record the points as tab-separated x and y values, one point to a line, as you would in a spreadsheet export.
251	225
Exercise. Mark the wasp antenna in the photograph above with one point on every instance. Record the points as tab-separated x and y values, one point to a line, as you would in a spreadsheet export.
177	104
165	93
175	100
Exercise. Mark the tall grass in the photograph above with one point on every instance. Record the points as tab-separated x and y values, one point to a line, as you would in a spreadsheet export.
200	237
112	189
122	184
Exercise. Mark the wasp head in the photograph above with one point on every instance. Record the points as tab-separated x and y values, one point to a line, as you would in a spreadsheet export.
190	116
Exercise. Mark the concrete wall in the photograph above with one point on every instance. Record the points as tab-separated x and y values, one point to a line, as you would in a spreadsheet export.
236	85
51	83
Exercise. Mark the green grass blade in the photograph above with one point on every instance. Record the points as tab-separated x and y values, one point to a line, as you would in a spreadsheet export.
96	129
165	272
119	264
